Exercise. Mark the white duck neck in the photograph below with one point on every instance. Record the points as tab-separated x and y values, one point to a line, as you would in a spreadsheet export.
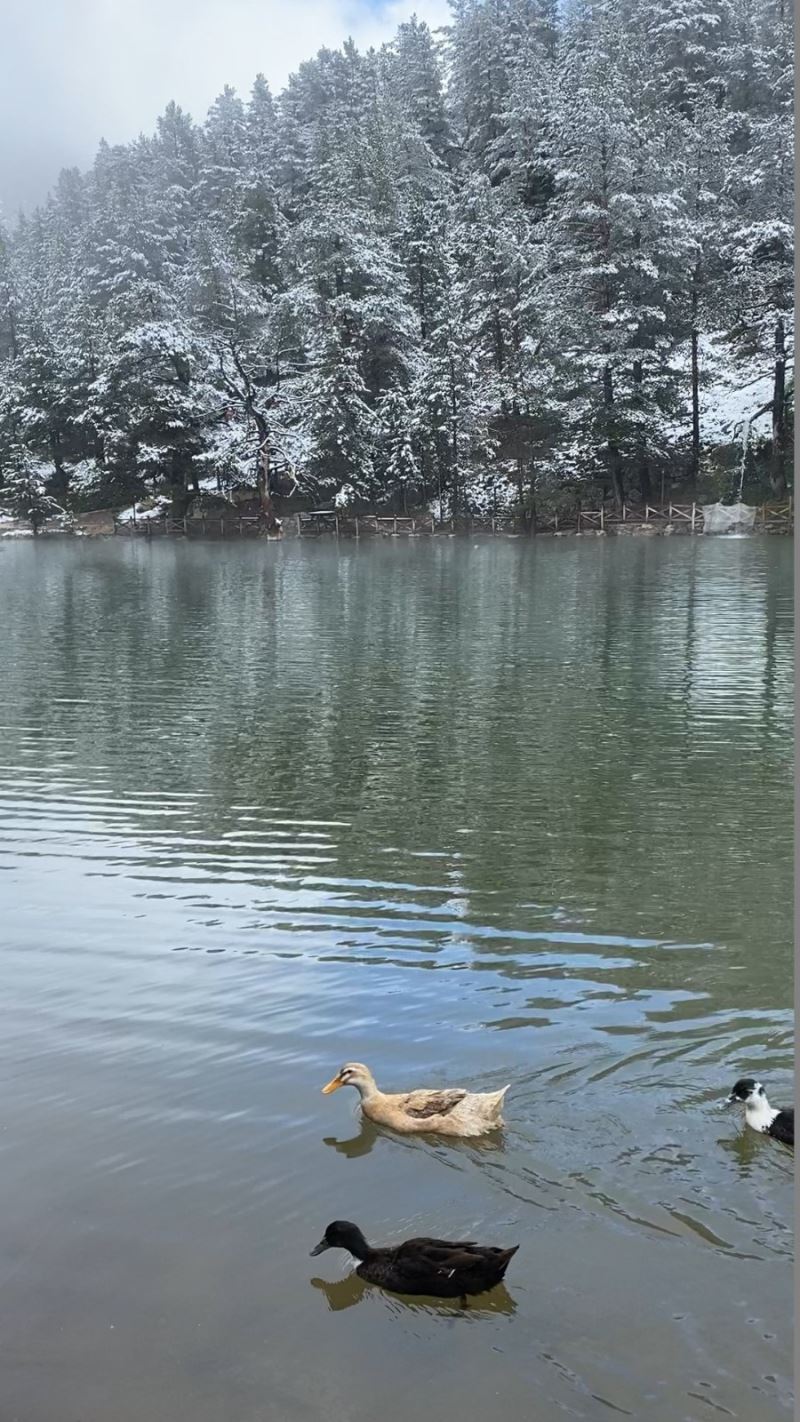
759	1114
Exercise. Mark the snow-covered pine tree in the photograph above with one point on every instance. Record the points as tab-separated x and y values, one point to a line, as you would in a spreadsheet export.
396	459
343	427
415	74
758	245
223	158
618	246
24	488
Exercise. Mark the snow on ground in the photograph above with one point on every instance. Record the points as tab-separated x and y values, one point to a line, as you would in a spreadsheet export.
139	513
158	506
731	392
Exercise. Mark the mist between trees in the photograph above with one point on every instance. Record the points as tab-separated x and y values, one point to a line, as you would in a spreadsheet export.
493	268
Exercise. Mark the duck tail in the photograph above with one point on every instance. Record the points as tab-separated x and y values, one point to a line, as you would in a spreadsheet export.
497	1099
504	1259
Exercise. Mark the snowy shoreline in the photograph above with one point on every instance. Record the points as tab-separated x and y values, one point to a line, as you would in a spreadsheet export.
151	532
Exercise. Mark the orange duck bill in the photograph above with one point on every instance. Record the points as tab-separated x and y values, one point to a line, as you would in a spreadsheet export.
333	1085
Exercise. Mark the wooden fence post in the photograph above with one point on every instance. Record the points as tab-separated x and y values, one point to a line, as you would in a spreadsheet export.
297	517
356	525
602	518
693	516
336	521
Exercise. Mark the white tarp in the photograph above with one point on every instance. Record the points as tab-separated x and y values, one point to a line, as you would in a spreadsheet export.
728	518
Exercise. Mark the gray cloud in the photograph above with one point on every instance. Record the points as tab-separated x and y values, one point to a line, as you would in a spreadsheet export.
75	71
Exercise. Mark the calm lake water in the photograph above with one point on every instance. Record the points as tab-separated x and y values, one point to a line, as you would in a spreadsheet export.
471	814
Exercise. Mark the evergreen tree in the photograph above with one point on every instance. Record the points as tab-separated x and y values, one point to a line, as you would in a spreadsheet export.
24	489
343	426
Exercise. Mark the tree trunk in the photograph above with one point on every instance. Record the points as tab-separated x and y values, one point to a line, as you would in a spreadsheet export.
267	508
521	491
614	458
778	472
532	513
180	473
60	481
454	436
694	458
645	487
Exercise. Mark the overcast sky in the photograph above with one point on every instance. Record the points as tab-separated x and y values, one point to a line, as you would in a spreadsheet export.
75	71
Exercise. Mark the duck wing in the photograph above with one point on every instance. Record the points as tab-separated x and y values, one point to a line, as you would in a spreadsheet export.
422	1104
424	1243
441	1264
782	1128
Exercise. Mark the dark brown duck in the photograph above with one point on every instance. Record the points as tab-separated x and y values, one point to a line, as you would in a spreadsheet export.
444	1268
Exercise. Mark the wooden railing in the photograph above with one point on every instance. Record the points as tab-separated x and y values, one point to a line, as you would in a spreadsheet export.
777	517
393	525
591	519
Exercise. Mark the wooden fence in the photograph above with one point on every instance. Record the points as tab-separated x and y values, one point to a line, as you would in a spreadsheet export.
773	518
776	518
393	526
209	525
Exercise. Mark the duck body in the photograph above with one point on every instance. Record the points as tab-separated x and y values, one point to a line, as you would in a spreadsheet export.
443	1268
450	1112
758	1113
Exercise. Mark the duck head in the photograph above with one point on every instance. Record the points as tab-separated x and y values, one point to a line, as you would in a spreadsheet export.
352	1074
343	1235
745	1090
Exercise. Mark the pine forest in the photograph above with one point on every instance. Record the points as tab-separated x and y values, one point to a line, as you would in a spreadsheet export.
504	266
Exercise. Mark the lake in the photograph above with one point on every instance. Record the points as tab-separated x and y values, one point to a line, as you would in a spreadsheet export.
473	813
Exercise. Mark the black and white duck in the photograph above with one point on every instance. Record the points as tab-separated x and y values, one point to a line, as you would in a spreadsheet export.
440	1267
759	1114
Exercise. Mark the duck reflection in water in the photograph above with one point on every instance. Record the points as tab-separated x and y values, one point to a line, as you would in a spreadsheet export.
347	1292
747	1148
359	1144
363	1141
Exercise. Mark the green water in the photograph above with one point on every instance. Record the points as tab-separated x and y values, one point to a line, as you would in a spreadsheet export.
471	814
